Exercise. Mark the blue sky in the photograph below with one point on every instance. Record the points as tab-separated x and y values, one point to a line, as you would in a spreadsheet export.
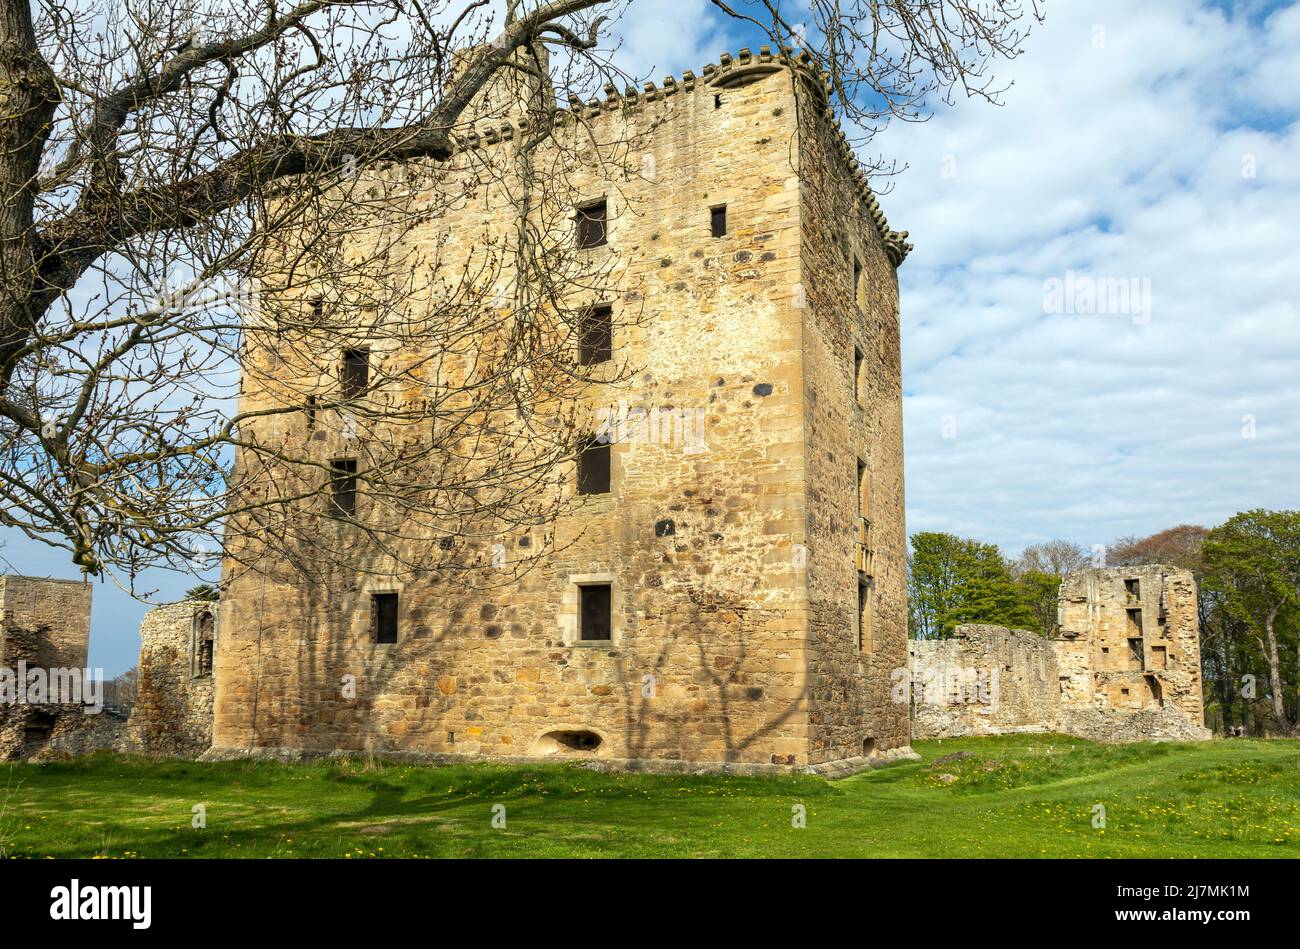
1168	154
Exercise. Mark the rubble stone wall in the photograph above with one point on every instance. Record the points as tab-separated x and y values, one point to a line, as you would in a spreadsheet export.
172	714
1125	666
59	610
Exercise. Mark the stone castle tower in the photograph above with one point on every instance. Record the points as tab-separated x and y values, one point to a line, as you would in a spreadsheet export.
734	598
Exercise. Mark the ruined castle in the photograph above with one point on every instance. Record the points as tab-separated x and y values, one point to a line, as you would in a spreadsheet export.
739	601
44	686
1125	665
734	599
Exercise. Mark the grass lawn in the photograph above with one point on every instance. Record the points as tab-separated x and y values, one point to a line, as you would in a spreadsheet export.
1015	796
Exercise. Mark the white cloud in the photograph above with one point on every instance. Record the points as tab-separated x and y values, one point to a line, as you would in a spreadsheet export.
1123	161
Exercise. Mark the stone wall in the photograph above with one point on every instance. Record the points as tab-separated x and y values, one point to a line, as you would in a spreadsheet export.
987	680
853	447
172	714
45	624
1125	666
734	630
58	609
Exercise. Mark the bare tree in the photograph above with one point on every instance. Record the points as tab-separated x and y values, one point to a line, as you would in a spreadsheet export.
1055	557
185	185
126	687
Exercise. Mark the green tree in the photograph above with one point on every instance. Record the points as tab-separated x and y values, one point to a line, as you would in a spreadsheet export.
1252	564
204	591
1041	591
953	580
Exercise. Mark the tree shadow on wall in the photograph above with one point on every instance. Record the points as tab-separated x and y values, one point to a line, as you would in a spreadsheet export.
337	690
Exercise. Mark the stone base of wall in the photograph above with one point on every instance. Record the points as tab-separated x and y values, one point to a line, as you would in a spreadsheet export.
49	732
1112	725
830	769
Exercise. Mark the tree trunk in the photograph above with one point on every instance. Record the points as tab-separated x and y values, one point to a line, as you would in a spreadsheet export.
1275	675
28	97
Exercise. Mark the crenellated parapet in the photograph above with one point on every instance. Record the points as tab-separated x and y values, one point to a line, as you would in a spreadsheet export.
730	71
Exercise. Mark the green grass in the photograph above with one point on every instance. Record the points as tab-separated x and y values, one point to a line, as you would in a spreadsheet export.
1017	796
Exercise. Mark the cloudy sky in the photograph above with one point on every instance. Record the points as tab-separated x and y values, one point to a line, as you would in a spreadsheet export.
1158	145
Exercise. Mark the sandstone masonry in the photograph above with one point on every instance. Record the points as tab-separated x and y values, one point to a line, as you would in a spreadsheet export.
172	714
752	594
1125	666
45	625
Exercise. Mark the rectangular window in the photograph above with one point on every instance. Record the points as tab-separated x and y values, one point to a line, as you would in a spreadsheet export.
383	617
857	374
1133	589
317	309
1159	657
594	611
593	468
864	617
344	487
592	221
356	372
311	412
596	336
718	220
864	490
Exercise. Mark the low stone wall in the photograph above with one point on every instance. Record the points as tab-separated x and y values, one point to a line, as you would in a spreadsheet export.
172	714
988	681
49	732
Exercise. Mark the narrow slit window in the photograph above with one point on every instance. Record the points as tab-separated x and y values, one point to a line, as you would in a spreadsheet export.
596	338
317	309
356	373
864	617
718	220
857	281
857	374
864	490
344	487
593	468
592	220
204	635
383	617
594	608
311	412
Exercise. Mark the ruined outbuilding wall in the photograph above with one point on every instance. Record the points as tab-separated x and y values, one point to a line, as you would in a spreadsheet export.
1125	665
59	610
987	680
45	624
172	714
1136	631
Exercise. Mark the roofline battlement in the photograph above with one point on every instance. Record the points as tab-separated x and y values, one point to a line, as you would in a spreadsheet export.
723	74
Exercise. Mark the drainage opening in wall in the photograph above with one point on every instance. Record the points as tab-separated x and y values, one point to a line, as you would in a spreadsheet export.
567	741
38	728
868	747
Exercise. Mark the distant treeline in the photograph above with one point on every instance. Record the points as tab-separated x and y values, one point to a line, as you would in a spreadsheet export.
1248	577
